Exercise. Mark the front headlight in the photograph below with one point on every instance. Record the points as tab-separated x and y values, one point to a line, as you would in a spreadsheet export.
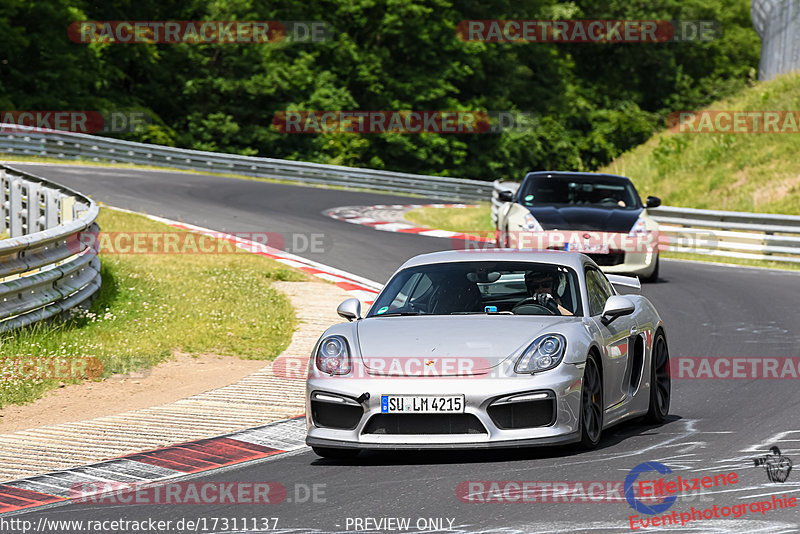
544	353
333	356
639	228
530	223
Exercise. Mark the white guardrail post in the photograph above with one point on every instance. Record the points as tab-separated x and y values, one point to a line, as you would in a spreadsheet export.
45	269
729	234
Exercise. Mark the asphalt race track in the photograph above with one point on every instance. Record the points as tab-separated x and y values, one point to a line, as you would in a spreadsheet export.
716	426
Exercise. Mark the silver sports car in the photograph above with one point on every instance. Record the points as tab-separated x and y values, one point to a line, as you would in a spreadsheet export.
468	349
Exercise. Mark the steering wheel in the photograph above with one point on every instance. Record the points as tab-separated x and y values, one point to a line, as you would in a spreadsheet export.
531	304
608	200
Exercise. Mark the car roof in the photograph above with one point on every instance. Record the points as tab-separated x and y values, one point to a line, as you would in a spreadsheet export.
581	174
552	257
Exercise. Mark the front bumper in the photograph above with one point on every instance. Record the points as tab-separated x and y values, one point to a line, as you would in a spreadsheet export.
635	255
486	429
638	263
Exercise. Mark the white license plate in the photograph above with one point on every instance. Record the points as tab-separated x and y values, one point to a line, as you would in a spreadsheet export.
422	403
593	249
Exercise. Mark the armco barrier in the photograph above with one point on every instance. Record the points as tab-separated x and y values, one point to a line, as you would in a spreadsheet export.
44	270
18	140
730	234
713	233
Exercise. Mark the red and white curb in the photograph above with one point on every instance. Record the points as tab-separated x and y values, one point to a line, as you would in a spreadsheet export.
361	288
158	465
389	218
193	457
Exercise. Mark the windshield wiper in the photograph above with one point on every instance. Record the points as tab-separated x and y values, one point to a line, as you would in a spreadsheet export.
398	314
482	313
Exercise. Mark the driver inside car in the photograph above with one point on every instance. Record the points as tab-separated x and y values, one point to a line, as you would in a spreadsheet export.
541	288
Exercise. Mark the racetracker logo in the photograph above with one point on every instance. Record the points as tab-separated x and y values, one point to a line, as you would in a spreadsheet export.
373	122
734	368
297	368
195	243
572	241
193	493
403	122
587	31
537	491
88	122
50	368
197	31
734	122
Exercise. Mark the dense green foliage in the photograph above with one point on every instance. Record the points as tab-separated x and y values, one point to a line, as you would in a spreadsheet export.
593	101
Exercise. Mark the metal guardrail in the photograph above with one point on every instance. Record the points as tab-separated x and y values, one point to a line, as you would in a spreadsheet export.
44	268
729	234
66	145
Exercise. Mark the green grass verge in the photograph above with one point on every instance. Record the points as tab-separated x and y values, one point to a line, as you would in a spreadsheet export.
148	306
468	220
739	172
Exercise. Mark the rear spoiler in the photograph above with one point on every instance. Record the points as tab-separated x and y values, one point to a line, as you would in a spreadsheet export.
624	281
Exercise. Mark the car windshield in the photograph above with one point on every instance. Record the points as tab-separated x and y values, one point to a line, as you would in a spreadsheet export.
518	288
578	190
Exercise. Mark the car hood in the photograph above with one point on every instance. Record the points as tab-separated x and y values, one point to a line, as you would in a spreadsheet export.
448	344
585	218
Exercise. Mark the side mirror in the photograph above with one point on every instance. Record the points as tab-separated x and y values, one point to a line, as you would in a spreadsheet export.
350	309
653	202
616	306
505	196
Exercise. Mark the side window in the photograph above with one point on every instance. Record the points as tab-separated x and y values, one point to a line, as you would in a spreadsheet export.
415	287
598	289
609	289
421	290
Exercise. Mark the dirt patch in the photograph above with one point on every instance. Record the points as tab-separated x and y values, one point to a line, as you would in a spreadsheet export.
775	191
170	381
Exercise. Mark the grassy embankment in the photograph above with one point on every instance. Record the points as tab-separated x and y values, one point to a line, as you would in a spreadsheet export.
150	305
739	172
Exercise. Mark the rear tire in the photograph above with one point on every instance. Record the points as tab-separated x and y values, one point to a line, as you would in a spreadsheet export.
660	382
591	419
335	454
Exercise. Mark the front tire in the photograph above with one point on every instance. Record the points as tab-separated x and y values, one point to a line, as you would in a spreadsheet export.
335	454
591	420
660	382
654	275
